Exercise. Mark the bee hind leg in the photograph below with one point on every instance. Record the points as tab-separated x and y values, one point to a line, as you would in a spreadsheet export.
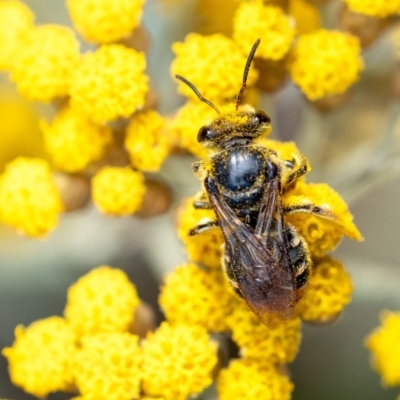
308	207
203	227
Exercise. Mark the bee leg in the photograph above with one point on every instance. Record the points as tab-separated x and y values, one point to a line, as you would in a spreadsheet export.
295	168
202	205
203	228
230	274
310	208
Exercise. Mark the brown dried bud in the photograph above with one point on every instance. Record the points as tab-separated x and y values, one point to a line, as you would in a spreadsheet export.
74	190
139	39
272	74
331	102
365	27
156	200
144	321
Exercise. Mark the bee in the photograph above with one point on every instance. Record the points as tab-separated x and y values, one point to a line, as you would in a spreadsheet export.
265	259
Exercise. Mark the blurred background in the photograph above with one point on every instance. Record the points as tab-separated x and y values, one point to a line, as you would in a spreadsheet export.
354	147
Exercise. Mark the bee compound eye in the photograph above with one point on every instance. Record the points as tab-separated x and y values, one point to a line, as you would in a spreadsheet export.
205	133
261	118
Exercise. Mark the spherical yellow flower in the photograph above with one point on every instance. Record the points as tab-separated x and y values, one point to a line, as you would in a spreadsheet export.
322	235
110	83
257	341
214	64
118	191
254	20
73	141
187	122
104	300
306	15
41	358
108	366
146	141
384	344
29	199
324	63
205	248
43	67
196	296
105	21
16	21
246	380
178	361
329	290
374	8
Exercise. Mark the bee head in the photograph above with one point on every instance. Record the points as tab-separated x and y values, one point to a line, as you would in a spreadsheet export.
235	127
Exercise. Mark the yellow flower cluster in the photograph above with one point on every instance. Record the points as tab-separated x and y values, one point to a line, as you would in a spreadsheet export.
112	366
16	21
41	359
146	141
43	66
374	8
269	23
178	361
73	141
329	290
325	63
93	351
103	21
384	345
118	191
196	296
109	83
29	199
104	300
245	379
306	15
217	70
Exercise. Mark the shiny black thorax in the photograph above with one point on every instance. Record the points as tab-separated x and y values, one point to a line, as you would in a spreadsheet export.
240	173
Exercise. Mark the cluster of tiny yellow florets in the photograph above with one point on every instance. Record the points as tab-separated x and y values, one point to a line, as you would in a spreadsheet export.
92	350
374	8
43	67
16	21
325	63
269	23
74	141
146	141
384	344
29	199
109	83
217	69
118	191
108	22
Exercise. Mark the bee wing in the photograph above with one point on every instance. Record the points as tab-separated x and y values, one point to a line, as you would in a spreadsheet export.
260	262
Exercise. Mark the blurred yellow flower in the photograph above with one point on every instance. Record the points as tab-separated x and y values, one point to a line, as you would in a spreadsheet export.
214	64
109	83
324	63
105	21
247	380
257	341
178	361
187	122
384	345
16	21
205	248
322	235
118	191
73	141
254	20
374	8
108	366
195	296
329	290
41	358
43	66
147	141
306	15
29	199
103	300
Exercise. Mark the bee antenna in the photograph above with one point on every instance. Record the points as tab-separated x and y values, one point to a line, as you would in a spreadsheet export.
184	80
246	71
